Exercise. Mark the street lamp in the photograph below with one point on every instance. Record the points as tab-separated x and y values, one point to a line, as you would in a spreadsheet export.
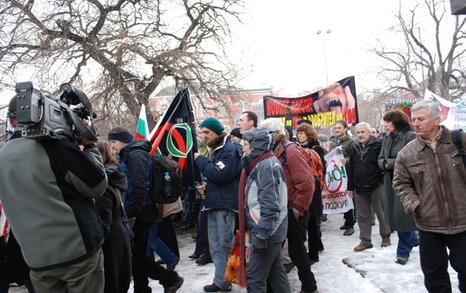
319	32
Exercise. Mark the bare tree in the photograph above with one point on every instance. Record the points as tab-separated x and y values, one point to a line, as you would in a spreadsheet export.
120	50
432	52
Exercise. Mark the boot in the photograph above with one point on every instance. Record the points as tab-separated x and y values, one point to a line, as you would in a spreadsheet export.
385	241
204	259
348	232
363	245
401	260
175	286
215	288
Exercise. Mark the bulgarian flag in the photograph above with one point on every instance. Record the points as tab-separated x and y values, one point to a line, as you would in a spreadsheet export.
142	129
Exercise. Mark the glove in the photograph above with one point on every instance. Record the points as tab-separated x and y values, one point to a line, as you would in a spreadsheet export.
259	243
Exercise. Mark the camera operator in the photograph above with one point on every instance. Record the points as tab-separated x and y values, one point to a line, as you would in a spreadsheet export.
48	188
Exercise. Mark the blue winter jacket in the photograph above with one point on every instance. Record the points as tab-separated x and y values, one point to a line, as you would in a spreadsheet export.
222	171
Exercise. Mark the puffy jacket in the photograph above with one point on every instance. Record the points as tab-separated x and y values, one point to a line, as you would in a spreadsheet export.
135	162
266	191
222	172
48	189
431	184
365	171
301	185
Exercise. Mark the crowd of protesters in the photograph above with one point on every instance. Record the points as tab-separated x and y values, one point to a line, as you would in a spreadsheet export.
91	226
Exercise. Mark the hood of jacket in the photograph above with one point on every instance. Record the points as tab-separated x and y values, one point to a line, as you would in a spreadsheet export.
135	145
260	141
116	177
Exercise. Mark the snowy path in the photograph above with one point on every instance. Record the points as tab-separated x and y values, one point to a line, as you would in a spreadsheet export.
382	274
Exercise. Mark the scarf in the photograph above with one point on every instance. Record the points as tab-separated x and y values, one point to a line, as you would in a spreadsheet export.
242	217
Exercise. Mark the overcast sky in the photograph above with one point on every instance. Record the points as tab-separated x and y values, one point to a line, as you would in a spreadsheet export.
280	41
279	47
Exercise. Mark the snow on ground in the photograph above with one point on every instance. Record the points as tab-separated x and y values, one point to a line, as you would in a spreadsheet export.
381	273
378	265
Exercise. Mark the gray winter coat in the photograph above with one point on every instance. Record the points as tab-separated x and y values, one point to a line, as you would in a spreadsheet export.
394	210
266	191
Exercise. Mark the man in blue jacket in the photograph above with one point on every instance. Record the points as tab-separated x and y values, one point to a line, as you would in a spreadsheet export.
141	212
222	169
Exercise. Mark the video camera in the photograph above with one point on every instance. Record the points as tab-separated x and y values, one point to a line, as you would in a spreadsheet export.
41	116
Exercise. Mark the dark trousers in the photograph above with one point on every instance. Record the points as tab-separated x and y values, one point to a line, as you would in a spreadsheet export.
168	235
202	242
350	216
314	241
434	260
297	250
266	268
144	266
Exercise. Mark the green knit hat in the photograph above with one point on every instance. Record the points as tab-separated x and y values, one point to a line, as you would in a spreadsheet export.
213	124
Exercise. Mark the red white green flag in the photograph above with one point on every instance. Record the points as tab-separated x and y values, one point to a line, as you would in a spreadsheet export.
142	128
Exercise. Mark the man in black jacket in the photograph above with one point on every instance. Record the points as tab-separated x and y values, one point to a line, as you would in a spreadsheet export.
142	213
366	181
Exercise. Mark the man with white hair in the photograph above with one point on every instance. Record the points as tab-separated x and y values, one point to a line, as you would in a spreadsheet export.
430	179
366	181
300	191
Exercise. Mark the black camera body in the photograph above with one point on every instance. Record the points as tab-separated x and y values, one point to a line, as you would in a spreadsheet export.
41	116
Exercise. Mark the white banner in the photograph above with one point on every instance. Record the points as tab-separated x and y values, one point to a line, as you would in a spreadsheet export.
336	199
453	115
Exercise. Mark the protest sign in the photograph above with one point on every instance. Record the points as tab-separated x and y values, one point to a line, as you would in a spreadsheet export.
336	198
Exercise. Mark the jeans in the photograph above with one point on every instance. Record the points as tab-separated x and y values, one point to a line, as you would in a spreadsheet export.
434	260
155	244
266	265
221	227
406	242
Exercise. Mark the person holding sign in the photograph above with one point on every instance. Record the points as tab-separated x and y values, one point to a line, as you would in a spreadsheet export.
341	138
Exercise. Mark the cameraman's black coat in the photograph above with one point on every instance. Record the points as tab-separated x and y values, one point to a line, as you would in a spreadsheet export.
48	189
364	169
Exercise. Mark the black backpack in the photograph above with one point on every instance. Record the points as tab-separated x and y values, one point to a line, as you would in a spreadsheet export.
166	180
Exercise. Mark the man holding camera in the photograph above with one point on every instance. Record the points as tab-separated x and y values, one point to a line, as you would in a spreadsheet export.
48	188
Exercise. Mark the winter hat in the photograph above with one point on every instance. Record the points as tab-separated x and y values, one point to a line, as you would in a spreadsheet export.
236	132
123	136
213	124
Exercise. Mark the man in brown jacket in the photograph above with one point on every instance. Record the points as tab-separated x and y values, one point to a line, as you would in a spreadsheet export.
430	179
301	185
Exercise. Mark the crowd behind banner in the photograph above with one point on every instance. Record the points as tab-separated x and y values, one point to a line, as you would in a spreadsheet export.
257	197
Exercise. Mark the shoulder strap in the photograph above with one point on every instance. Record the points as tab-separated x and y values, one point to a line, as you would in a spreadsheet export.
456	138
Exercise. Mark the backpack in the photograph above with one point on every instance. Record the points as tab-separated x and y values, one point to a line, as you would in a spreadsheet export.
166	180
314	160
